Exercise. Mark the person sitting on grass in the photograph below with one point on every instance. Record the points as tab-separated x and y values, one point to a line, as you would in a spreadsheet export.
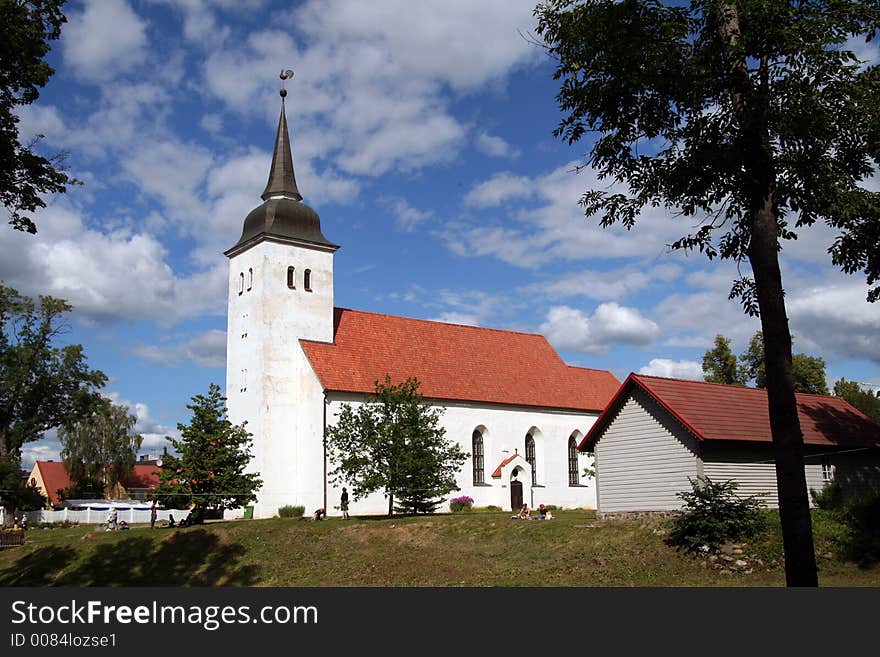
319	514
525	513
542	511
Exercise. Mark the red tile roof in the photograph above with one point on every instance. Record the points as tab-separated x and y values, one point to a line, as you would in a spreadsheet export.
55	478
143	476
497	472
454	362
713	411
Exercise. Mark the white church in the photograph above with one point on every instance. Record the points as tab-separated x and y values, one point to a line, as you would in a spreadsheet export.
293	359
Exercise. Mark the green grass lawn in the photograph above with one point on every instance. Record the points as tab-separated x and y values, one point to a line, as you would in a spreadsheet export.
465	549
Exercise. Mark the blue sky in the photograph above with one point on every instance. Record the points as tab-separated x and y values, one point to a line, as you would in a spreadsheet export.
421	134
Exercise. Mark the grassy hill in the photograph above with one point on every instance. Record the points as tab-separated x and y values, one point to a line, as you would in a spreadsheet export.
468	549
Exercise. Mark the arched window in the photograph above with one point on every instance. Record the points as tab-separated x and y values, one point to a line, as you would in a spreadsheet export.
307	280
241	283
530	457
250	278
291	279
573	475
243	380
477	455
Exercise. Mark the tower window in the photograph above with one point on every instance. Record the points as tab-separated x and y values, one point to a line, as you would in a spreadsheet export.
241	283
291	279
250	278
307	280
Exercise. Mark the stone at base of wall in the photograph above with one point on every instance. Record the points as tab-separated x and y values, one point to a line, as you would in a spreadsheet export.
629	515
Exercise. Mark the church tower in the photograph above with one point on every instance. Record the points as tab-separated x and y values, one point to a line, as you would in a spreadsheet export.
280	291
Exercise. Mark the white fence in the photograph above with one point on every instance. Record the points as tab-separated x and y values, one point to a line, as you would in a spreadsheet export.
99	516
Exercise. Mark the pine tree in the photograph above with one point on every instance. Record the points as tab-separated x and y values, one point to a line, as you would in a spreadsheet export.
210	471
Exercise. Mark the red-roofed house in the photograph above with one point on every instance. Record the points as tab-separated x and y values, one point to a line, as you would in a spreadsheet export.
293	359
658	432
50	477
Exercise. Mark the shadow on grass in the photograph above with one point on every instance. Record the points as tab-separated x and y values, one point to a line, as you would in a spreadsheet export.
187	558
37	568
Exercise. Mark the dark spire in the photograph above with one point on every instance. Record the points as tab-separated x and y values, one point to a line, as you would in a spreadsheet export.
282	181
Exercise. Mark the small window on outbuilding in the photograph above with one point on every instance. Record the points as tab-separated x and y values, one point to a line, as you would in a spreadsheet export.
241	283
250	278
827	470
291	278
307	280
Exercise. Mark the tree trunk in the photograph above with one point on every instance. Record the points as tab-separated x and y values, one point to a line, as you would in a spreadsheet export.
750	105
390	504
788	441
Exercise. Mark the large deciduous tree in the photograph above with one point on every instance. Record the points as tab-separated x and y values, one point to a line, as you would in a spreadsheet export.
42	385
864	400
101	446
26	29
213	456
808	371
394	443
754	117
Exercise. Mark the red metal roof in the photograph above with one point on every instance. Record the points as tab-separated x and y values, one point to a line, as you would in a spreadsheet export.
713	411
454	362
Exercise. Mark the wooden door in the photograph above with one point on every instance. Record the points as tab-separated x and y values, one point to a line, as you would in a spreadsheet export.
516	495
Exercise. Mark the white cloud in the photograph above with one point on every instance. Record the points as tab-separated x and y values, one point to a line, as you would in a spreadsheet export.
107	275
40	119
470	307
106	39
602	285
407	216
500	188
495	146
207	349
834	320
553	226
373	79
611	323
673	369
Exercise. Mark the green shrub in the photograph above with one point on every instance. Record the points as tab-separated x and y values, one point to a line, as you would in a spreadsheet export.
862	520
830	498
463	503
292	511
492	507
713	514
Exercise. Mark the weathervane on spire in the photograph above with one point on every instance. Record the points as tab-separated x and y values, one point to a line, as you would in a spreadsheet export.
285	75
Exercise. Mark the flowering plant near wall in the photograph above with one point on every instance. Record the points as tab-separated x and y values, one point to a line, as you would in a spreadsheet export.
463	503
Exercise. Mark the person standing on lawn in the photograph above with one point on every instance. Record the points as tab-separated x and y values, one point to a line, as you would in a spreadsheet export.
343	503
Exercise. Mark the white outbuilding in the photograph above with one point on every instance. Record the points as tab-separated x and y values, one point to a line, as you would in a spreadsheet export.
658	434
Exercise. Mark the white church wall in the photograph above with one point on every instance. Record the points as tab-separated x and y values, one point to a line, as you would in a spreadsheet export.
506	428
